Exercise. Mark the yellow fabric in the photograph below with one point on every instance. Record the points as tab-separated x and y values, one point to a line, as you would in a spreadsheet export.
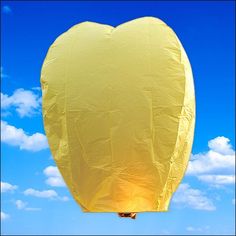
119	113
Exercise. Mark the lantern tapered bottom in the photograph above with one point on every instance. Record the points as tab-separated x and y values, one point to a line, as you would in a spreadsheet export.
132	215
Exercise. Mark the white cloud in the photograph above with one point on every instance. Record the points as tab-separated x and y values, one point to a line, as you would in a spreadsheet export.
32	209
50	194
220	157
4	216
64	199
41	194
190	229
6	187
221	145
233	201
54	177
217	179
20	205
211	162
36	88
192	198
197	229
26	103
217	166
6	9
19	138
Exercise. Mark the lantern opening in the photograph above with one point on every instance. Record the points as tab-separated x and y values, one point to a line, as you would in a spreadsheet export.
132	215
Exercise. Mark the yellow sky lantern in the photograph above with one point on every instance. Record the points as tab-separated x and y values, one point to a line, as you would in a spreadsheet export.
119	114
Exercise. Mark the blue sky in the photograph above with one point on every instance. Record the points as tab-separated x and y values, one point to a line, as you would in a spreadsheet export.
34	198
